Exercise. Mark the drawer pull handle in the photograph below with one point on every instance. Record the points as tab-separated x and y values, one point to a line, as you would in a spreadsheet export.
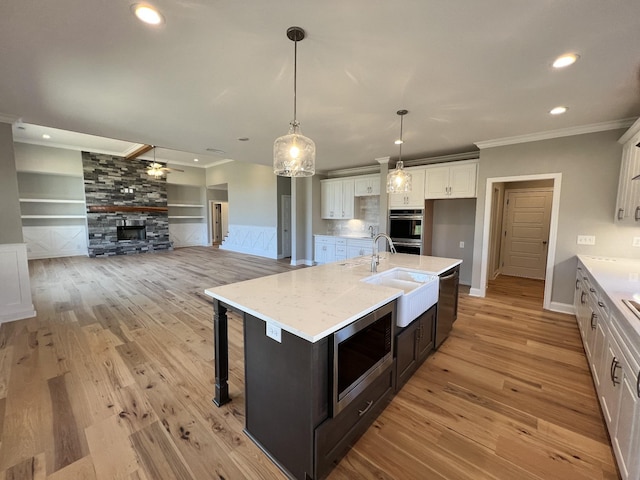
582	298
592	290
365	409
577	282
600	304
638	384
637	215
594	317
620	213
614	364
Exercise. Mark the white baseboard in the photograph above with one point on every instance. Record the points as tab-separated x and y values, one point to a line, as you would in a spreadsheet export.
562	308
475	292
15	295
304	261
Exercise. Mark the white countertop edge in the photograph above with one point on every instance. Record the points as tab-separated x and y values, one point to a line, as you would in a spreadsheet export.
298	333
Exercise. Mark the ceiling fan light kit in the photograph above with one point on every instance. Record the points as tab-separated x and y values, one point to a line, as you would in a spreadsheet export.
399	180
294	155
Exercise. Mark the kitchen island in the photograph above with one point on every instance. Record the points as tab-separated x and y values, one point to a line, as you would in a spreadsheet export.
291	322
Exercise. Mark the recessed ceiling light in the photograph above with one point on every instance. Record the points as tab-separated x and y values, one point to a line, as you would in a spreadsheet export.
398	142
558	110
45	136
147	14
565	60
195	160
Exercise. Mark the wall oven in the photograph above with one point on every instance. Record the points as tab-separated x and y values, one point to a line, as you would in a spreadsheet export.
405	229
361	352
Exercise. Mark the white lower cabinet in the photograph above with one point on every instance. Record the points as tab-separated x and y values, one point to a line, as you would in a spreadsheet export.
333	249
615	370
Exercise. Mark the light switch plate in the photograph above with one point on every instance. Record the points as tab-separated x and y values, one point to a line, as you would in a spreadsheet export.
461	244
636	242
586	240
275	332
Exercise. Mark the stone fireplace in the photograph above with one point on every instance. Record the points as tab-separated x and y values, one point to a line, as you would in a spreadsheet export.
126	208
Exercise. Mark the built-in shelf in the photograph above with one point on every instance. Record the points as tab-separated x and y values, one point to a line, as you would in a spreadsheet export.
49	200
186	216
184	205
53	216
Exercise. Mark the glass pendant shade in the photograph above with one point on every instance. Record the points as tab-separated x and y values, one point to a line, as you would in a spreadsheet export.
398	180
294	155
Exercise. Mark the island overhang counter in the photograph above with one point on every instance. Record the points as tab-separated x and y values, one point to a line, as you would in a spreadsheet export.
290	323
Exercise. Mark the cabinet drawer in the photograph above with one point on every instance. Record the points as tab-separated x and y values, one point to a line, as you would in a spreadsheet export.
335	436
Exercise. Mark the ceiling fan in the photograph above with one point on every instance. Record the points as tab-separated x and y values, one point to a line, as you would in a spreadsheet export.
154	169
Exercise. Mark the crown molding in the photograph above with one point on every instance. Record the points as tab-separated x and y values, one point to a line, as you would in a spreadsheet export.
454	157
348	172
563	132
634	129
8	118
219	162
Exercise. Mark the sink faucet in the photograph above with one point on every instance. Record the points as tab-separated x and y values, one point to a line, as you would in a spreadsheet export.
375	256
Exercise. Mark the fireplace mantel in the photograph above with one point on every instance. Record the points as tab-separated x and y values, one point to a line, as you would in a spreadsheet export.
123	208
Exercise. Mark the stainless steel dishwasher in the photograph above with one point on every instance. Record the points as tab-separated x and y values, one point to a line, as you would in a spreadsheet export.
447	304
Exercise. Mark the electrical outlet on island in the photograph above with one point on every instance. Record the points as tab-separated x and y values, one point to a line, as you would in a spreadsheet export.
636	242
586	240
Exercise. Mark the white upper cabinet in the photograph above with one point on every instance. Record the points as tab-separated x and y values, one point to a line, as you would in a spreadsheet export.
414	198
628	201
337	198
457	180
367	185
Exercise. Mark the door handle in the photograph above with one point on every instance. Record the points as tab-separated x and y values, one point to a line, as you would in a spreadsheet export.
638	384
620	213
594	317
365	409
637	215
614	364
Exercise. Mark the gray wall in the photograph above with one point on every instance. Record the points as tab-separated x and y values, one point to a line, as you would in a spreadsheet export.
453	222
252	192
10	222
189	175
590	166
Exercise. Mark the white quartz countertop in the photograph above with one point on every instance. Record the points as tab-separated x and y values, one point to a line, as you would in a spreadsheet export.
619	278
317	301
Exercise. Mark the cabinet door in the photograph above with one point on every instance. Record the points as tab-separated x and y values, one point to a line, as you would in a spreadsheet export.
462	181
398	200
626	441
406	354
367	185
597	355
326	199
436	182
628	200
426	333
416	196
325	250
610	381
347	199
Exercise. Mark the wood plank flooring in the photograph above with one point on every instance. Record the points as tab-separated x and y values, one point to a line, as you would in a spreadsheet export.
114	377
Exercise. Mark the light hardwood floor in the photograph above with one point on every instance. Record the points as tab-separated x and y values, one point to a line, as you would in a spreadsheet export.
113	380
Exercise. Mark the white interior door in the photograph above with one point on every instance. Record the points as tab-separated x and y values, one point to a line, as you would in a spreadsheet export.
525	240
285	234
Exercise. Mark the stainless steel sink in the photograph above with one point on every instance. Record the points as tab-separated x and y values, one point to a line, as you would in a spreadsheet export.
420	291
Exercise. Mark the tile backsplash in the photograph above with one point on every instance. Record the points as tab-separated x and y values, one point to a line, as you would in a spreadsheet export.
367	214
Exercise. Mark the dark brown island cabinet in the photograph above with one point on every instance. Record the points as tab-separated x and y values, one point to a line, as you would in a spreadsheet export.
290	389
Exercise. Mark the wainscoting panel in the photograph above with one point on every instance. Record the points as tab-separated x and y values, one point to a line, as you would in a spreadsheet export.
15	294
188	234
55	241
253	240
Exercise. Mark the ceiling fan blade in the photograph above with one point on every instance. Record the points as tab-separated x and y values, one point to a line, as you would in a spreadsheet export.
139	151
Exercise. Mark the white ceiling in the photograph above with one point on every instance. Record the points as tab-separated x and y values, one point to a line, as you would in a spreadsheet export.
467	71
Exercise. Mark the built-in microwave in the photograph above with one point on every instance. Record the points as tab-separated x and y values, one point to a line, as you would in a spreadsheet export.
361	352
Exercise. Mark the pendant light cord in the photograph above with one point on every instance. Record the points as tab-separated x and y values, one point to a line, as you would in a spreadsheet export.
295	77
401	140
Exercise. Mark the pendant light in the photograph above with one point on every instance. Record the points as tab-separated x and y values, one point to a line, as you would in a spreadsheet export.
399	180
294	155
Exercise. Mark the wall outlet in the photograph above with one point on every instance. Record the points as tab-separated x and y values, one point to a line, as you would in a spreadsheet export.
461	244
636	242
274	331
586	240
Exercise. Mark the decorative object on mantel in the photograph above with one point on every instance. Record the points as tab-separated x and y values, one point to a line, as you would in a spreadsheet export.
123	208
294	155
399	180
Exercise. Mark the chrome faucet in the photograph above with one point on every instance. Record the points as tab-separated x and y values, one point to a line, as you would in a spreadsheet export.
375	256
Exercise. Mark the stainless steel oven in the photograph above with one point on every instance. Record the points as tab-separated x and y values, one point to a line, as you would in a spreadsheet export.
405	229
361	352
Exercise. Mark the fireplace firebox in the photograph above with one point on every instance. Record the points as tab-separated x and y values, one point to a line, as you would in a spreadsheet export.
131	230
